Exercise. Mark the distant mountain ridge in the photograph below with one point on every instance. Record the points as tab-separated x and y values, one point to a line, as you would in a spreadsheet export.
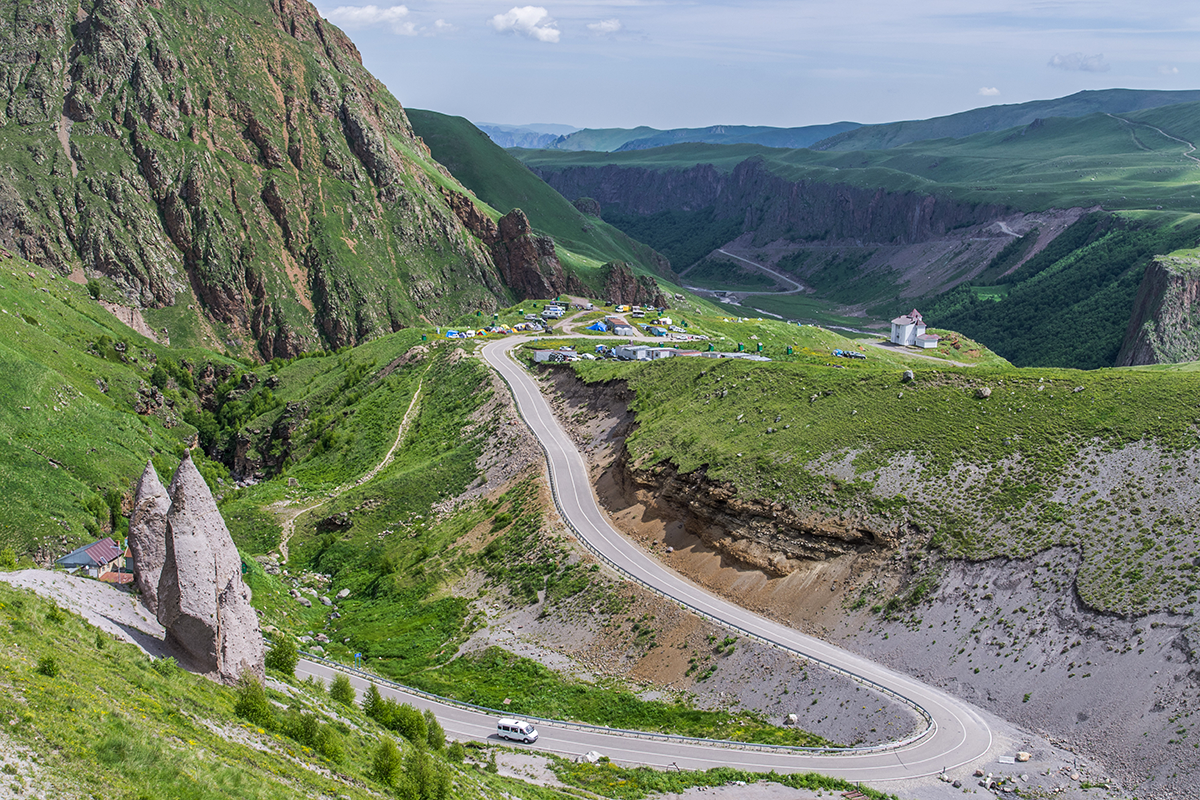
531	137
995	118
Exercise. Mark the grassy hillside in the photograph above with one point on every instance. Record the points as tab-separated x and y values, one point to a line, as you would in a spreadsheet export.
87	715
504	183
995	118
1101	462
71	439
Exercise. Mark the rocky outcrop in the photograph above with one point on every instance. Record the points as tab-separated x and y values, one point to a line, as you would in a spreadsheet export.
622	287
527	262
758	532
587	205
148	534
1165	326
170	180
202	601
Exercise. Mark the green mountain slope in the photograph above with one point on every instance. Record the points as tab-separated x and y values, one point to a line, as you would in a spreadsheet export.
504	183
232	159
995	118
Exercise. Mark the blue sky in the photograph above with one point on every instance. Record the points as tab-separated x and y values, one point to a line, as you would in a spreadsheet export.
672	64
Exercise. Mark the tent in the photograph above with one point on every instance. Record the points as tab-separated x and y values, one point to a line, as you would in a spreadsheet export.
599	326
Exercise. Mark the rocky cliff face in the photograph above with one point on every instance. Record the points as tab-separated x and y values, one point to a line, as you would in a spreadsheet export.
527	262
1165	326
235	153
771	206
622	287
202	601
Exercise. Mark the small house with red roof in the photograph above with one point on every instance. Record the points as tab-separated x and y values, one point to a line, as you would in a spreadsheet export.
94	559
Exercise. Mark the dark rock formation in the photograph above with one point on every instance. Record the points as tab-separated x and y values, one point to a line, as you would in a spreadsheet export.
148	534
202	601
1165	326
527	262
624	288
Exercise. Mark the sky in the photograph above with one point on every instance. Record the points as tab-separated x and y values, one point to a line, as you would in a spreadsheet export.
675	64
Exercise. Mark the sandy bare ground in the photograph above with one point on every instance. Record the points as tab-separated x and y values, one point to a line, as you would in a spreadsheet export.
112	610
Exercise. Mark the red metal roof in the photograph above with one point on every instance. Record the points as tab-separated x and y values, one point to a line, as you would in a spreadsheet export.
103	551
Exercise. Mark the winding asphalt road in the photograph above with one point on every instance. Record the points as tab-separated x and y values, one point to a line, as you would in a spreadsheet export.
953	733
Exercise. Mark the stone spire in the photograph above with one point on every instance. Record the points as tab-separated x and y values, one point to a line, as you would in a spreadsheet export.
202	601
148	534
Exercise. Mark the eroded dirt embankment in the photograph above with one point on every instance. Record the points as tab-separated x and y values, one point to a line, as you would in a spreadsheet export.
1011	635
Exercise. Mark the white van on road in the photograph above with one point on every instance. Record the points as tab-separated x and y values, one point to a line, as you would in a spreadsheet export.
516	730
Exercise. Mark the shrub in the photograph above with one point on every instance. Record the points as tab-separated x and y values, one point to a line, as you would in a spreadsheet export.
341	690
56	615
456	753
426	779
386	765
435	735
282	657
373	704
8	559
410	724
252	703
48	666
167	667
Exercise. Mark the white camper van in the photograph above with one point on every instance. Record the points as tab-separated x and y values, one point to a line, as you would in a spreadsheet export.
516	730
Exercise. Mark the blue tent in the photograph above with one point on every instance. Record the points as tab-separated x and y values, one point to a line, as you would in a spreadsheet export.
599	326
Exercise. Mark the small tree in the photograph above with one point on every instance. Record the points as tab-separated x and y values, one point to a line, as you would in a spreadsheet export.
373	704
252	703
435	736
341	690
410	724
282	657
386	765
425	779
456	752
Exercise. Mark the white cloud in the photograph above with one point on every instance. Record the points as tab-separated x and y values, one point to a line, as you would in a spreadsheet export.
984	91
1167	69
1078	62
605	27
441	26
355	17
531	21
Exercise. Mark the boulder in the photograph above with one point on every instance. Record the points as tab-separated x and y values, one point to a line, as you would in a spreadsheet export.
983	393
792	719
1023	756
148	535
202	602
907	376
